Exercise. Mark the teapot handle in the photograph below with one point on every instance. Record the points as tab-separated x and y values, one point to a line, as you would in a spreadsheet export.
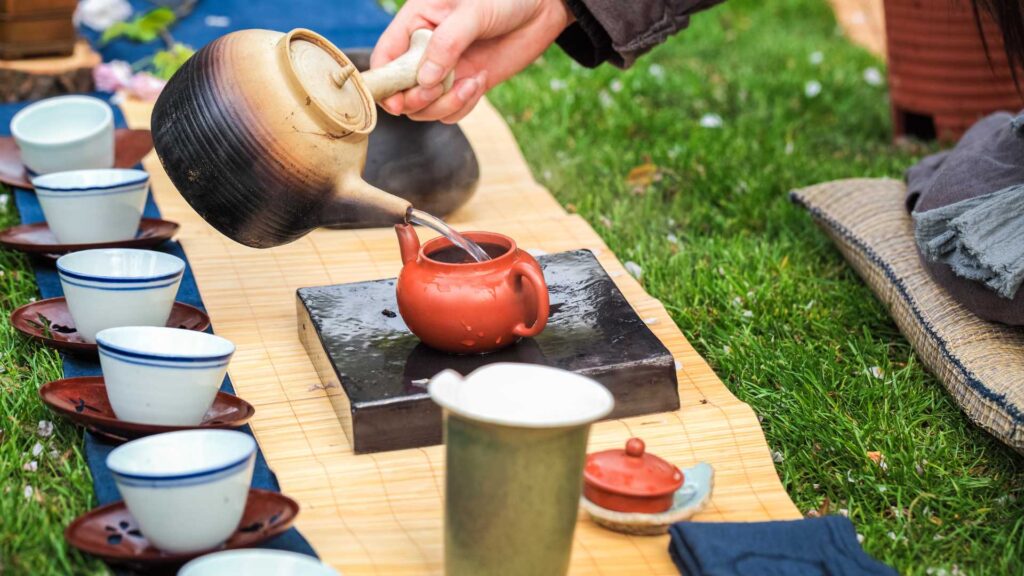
400	73
540	289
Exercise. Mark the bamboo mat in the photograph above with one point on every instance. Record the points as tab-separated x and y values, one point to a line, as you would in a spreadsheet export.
382	513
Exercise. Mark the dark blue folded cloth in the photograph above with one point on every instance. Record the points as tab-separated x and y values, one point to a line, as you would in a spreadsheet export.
812	547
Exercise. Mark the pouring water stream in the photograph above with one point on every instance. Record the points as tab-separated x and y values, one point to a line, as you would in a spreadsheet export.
422	218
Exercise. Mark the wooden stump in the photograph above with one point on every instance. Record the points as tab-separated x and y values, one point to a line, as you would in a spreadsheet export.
35	78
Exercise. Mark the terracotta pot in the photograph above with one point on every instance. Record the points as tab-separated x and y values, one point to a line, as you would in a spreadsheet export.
36	28
474	307
630	480
941	79
265	134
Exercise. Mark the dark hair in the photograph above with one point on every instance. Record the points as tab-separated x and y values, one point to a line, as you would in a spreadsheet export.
1009	16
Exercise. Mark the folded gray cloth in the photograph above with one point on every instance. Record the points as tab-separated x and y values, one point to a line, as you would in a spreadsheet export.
981	238
968	213
989	157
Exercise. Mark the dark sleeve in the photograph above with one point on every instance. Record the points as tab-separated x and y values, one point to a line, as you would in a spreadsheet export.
620	31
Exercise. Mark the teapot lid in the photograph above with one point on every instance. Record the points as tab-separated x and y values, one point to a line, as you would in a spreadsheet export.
632	471
330	82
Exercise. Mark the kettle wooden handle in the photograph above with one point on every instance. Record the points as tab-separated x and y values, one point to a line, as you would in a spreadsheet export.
400	73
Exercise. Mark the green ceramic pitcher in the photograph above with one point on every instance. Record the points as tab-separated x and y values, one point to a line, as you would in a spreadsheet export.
516	440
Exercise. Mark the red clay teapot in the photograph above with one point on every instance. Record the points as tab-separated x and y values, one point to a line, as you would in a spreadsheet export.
265	134
455	304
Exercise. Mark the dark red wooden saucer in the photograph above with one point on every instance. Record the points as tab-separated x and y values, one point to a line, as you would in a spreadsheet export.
130	146
38	239
111	532
49	321
84	401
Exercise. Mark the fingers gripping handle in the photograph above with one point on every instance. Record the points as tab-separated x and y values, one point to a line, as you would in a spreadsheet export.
400	73
522	270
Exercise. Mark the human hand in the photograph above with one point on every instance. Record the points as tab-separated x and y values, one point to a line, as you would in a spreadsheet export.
484	41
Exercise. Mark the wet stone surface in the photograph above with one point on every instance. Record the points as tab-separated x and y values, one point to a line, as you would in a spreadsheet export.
354	336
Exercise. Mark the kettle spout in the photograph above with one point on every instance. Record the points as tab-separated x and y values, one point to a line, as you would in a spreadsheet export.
408	242
356	203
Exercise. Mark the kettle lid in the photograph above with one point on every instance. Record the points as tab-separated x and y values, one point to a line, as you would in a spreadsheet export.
330	82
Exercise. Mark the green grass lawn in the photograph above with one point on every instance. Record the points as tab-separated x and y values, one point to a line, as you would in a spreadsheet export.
44	483
755	286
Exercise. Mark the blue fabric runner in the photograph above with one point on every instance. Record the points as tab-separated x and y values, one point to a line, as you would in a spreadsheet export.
96	450
347	23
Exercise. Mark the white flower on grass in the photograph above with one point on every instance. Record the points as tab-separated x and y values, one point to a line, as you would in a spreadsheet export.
711	121
844	512
656	70
615	86
789	147
674	151
30	466
777	457
891	535
812	88
102	14
214	21
605	99
28	492
672	238
737	301
45	428
726	349
557	85
816	57
634	269
748	314
877	372
37	449
809	305
872	76
721	271
860	538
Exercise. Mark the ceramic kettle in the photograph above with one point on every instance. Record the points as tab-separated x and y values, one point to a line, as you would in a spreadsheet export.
265	134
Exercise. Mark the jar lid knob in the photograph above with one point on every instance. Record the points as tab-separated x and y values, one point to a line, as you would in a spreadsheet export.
635	447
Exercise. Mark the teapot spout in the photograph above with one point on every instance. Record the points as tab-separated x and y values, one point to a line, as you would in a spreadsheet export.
356	202
408	242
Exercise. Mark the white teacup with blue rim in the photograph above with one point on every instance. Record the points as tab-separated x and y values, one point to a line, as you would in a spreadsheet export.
91	206
111	287
65	133
256	562
188	489
162	376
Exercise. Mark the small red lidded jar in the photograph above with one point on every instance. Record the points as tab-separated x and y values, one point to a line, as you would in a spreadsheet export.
630	480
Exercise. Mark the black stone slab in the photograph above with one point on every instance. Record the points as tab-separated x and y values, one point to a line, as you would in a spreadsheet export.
375	370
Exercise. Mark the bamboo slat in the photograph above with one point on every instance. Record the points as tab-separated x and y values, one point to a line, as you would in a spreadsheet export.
382	513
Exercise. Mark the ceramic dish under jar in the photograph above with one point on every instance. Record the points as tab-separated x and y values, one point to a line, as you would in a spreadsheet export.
630	480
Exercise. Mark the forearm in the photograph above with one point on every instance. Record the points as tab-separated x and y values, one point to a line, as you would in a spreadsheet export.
620	31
